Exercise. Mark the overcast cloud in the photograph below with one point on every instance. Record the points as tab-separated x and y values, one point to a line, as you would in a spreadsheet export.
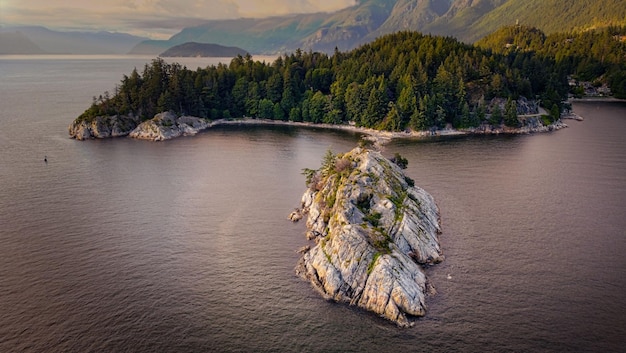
152	18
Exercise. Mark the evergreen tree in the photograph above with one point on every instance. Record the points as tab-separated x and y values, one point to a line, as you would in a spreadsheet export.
481	111
253	97
510	114
376	104
555	112
288	99
355	103
318	108
239	94
407	103
328	162
393	120
266	109
295	114
275	88
496	115
278	114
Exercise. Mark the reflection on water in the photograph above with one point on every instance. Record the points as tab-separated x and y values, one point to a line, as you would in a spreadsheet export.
124	245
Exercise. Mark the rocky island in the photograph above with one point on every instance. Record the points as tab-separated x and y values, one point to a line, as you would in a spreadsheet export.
373	231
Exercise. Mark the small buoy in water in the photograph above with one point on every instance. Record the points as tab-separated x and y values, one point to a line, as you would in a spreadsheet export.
449	277
45	159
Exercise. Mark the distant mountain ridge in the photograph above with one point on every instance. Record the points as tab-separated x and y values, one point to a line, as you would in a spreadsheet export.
47	41
16	43
467	20
193	49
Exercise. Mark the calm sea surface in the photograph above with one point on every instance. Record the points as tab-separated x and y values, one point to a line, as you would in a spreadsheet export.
184	246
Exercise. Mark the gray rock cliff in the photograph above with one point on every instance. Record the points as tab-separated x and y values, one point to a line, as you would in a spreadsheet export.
373	230
102	127
167	125
163	126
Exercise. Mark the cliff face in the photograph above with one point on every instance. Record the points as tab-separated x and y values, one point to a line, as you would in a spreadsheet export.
165	126
103	127
373	230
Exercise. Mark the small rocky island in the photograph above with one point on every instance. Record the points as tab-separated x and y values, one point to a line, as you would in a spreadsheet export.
373	231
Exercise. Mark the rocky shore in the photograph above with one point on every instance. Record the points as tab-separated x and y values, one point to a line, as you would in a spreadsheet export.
373	231
163	126
167	125
103	127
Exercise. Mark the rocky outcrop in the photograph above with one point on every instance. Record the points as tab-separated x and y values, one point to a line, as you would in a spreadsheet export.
536	124
102	127
373	229
523	105
529	125
165	126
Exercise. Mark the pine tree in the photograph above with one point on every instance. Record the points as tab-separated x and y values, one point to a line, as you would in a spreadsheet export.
496	115
328	162
510	114
376	104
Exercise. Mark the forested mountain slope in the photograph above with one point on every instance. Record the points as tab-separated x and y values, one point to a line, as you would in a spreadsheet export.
467	20
593	55
318	31
551	16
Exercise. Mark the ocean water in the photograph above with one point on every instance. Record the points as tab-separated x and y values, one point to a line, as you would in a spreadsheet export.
184	246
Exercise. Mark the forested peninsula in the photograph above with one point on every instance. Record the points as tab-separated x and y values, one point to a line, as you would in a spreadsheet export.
404	81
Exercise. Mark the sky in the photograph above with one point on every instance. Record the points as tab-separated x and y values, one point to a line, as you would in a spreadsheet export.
157	19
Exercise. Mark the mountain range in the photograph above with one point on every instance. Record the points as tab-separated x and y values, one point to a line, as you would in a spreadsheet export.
28	40
467	20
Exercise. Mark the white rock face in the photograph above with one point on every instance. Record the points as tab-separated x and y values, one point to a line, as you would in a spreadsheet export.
165	126
372	232
102	127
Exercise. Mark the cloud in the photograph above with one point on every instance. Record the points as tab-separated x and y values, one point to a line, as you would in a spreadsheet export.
263	8
154	18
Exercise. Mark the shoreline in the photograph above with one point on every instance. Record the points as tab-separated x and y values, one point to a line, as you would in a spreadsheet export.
380	138
155	130
596	99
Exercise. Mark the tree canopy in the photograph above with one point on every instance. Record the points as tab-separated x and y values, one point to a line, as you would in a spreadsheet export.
399	81
597	55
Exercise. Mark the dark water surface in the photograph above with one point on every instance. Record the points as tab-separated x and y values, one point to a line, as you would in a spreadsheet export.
184	246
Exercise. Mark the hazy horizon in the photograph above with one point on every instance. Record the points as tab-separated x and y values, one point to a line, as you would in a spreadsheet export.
157	19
